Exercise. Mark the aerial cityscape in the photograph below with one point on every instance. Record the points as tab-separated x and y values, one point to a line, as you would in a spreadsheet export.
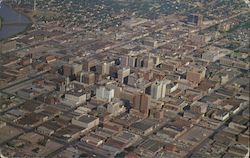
124	78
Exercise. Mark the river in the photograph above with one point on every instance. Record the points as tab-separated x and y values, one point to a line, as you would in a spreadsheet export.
11	18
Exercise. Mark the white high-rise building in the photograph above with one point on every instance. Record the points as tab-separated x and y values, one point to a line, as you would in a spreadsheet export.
164	87
105	93
158	89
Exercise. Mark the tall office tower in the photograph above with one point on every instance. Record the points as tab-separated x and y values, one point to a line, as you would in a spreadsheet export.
156	60
148	63
145	103
127	95
67	70
76	68
141	103
89	64
123	75
72	69
140	61
137	101
164	88
158	89
124	61
132	61
116	88
106	68
87	77
81	77
103	68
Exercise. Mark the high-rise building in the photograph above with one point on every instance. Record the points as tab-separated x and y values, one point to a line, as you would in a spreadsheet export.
145	103
137	101
164	88
124	61
105	93
67	71
72	69
147	74
158	89
76	68
148	63
123	75
87	77
89	65
140	61
103	68
132	61
116	88
141	103
156	60
127	95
